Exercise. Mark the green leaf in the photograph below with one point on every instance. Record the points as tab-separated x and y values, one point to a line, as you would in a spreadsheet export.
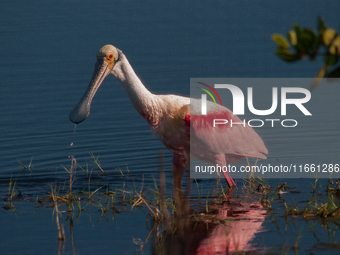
328	36
335	47
311	35
321	24
300	47
308	39
332	40
292	37
280	40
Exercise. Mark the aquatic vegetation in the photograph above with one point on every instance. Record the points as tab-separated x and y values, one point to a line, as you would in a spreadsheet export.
195	218
26	167
95	160
12	191
316	207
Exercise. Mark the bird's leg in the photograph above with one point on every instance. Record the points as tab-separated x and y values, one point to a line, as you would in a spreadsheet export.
231	184
179	164
187	157
220	160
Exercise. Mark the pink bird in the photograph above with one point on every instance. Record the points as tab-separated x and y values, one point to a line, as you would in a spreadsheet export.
172	122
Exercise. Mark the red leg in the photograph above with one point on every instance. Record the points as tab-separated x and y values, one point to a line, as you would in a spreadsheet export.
220	160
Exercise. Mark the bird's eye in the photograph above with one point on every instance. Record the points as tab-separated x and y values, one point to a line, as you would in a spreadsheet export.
110	56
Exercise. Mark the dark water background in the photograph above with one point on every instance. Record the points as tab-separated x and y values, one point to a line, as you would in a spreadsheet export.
47	56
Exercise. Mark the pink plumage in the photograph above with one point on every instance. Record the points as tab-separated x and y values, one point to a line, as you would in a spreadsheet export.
176	120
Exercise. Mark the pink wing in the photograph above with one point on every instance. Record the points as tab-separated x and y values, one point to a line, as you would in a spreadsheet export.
210	143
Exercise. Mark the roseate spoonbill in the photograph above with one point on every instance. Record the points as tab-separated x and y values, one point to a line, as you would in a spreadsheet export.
170	119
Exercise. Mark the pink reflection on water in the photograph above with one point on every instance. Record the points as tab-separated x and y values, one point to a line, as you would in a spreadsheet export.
224	230
238	224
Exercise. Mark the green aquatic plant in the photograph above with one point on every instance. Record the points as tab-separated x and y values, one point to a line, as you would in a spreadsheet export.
71	199
26	167
96	161
306	42
12	190
316	208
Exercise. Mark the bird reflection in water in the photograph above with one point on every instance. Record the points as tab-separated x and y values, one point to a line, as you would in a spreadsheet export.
221	227
224	230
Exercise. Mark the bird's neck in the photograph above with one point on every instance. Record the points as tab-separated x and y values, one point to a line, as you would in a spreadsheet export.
141	98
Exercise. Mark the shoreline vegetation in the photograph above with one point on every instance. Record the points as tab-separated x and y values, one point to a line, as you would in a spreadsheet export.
197	211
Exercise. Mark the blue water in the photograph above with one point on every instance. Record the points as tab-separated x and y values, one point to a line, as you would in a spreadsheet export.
47	56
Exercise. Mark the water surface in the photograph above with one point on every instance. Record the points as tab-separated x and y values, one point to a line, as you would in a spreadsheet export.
47	57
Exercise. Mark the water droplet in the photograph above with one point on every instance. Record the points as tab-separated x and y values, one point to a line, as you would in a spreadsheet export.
71	144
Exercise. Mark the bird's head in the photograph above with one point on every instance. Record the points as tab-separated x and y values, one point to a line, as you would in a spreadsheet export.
107	57
109	54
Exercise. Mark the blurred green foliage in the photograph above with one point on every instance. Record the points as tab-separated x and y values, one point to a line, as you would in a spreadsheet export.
301	43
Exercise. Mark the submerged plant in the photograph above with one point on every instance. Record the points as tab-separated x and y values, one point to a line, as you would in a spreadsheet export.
12	191
26	167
